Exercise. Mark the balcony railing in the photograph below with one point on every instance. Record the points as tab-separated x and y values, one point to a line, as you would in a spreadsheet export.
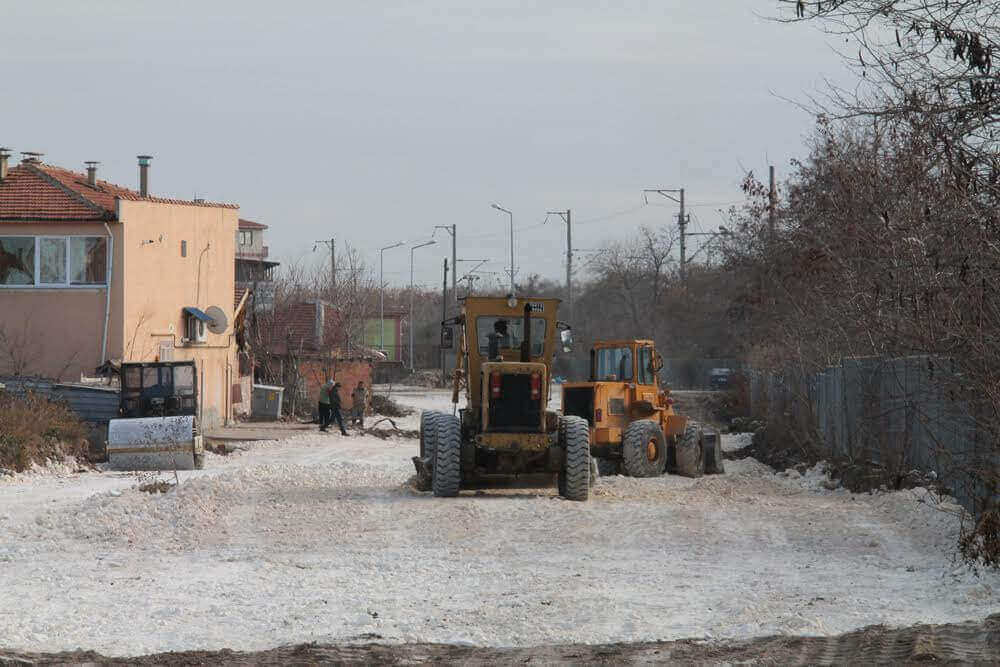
243	252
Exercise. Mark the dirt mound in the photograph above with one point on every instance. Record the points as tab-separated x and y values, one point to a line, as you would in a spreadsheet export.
857	476
966	643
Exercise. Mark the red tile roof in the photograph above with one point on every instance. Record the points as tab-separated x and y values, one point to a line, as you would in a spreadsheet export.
250	224
44	193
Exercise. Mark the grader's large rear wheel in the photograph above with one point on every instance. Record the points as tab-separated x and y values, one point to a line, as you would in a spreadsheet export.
447	474
644	449
428	433
690	452
574	478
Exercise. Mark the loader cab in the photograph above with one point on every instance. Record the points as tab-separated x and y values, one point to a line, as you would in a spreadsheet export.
159	389
634	362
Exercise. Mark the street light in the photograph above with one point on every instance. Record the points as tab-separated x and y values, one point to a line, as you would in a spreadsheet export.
412	248
381	296
503	210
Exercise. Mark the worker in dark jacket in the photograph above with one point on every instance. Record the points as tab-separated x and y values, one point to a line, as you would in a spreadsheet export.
324	405
335	404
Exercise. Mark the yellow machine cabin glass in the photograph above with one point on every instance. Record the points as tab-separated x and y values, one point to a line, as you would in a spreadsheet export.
613	364
487	324
646	375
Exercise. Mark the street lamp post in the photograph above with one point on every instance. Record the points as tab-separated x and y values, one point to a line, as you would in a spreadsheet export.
381	296
412	248
503	210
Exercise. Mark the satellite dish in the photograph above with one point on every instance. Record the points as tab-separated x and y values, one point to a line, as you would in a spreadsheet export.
219	320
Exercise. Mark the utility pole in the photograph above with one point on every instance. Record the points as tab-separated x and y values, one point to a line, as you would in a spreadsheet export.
682	220
444	315
454	258
772	202
568	219
332	245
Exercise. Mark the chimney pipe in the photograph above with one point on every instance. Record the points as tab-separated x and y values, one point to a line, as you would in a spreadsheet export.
92	173
31	157
144	174
4	154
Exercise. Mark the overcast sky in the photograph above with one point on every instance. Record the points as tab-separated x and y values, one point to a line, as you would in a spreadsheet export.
374	121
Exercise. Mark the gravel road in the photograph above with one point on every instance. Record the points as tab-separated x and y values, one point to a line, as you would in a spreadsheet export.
320	538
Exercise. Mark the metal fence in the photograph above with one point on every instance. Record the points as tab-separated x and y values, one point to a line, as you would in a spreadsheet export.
896	413
92	403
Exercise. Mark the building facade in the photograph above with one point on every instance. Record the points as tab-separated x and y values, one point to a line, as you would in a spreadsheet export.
254	272
91	272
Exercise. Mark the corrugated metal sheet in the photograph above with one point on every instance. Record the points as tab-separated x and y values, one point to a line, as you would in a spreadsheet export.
95	404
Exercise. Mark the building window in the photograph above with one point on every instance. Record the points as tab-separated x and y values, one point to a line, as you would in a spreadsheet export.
88	260
17	260
53	261
246	238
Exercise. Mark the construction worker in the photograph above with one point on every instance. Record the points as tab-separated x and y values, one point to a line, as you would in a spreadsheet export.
359	403
335	405
324	404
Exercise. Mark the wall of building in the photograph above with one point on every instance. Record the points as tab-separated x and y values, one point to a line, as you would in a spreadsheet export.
56	332
160	280
256	247
391	342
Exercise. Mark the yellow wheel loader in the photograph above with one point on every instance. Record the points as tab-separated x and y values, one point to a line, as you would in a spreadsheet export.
505	432
634	428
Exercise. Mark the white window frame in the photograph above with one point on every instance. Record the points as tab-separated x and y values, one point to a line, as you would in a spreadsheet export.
38	265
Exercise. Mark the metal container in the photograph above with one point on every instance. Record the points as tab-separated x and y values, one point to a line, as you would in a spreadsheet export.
267	401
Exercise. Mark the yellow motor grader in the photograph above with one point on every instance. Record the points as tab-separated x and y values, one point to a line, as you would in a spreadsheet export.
505	431
634	427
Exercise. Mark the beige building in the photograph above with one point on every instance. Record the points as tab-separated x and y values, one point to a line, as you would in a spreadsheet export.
91	271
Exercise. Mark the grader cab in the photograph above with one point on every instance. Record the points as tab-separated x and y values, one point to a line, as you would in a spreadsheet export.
635	429
505	431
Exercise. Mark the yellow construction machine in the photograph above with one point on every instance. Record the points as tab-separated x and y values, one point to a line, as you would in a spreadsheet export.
505	430
634	428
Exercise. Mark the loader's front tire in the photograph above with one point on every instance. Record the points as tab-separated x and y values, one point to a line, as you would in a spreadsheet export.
644	449
690	452
446	476
713	457
574	478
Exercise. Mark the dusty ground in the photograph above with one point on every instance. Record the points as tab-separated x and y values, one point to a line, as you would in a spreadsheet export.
964	643
319	539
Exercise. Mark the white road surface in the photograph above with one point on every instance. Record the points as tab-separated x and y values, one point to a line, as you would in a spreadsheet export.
320	538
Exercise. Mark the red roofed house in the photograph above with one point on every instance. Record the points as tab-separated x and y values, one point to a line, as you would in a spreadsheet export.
91	271
303	342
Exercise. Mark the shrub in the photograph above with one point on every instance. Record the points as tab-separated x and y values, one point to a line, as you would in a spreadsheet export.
34	429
